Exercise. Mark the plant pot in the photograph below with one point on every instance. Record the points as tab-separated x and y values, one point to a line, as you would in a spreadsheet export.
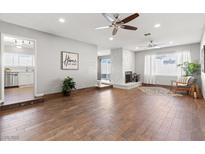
67	93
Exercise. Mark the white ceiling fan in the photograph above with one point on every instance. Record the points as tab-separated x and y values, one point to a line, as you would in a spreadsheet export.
152	45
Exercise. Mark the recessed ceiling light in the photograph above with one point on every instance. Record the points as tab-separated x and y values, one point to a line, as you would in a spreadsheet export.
111	38
170	42
61	20
157	25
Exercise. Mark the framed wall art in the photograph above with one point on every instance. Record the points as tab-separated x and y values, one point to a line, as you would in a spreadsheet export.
69	60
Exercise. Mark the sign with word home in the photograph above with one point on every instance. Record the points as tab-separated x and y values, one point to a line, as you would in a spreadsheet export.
69	61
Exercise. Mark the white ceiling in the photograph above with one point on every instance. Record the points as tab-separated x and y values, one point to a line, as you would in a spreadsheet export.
179	28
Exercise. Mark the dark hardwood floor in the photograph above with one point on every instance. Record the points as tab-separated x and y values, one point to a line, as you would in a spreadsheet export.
110	114
15	95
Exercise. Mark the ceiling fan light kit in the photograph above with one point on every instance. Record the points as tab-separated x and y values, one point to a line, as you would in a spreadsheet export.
147	34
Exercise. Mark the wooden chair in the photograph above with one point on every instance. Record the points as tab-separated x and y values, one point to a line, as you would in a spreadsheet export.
182	85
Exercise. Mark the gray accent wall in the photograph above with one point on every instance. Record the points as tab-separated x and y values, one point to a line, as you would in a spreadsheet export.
49	47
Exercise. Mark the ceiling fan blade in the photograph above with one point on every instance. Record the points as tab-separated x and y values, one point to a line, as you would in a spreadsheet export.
129	18
103	27
108	18
114	32
128	27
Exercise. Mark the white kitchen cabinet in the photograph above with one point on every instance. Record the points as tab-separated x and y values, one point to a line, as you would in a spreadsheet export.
13	59
25	78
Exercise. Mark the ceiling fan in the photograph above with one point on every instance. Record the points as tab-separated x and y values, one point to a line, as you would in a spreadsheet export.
116	23
151	45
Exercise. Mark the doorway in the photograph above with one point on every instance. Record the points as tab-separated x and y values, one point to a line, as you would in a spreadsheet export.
18	69
105	72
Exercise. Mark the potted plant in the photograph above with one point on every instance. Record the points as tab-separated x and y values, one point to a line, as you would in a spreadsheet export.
68	85
190	68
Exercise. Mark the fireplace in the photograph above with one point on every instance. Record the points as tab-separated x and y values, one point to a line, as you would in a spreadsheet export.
131	77
135	77
128	76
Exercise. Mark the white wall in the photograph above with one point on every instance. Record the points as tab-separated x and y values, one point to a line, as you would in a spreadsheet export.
128	62
116	66
165	80
122	61
201	56
49	73
103	52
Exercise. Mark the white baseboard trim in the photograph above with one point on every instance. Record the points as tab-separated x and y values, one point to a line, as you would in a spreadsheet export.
128	85
39	95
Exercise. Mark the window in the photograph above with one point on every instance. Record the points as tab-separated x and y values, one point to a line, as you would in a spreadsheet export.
105	69
166	64
26	60
13	59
